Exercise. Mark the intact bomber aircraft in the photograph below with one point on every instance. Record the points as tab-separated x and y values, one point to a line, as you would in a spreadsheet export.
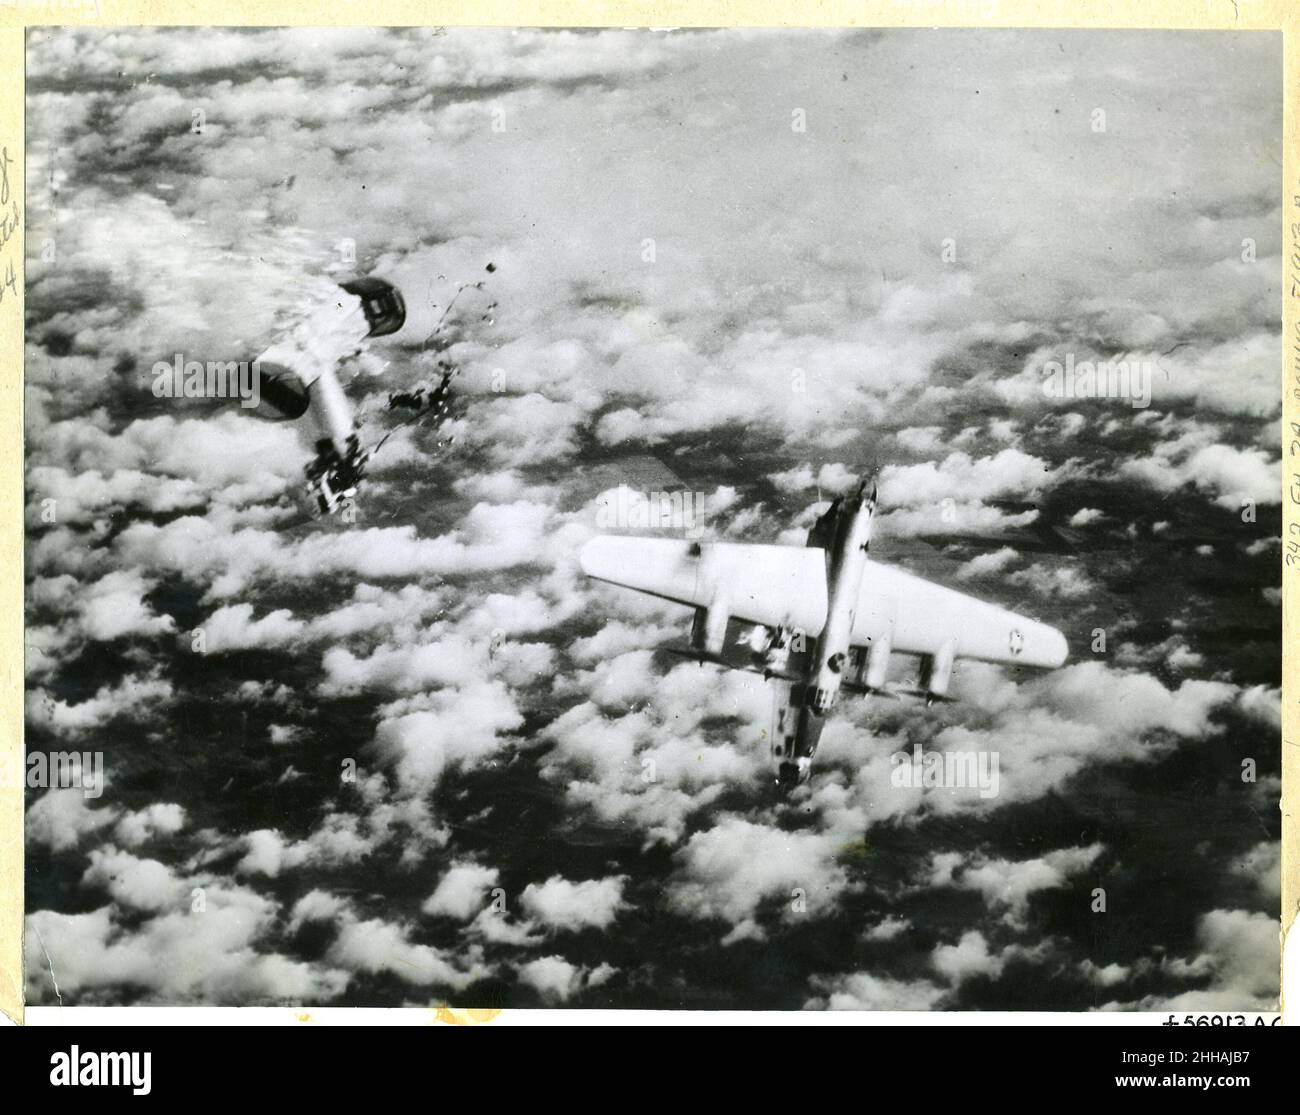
825	618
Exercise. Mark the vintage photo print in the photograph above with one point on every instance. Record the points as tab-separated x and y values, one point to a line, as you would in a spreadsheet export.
691	519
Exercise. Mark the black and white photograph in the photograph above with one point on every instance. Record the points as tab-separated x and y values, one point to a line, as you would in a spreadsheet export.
699	520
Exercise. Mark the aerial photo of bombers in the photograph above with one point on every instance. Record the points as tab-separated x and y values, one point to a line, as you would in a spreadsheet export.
654	519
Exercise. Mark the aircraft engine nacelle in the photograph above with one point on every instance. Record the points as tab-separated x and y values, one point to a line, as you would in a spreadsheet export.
777	658
760	640
282	395
709	627
936	671
381	302
877	663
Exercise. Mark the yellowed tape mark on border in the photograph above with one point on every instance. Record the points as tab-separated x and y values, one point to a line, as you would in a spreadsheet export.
1224	15
11	529
1291	519
15	15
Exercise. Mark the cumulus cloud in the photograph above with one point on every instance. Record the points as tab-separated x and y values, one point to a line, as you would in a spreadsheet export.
727	871
113	607
421	737
374	946
1043	733
984	565
159	819
865	991
635	750
971	958
462	892
1262	865
557	980
1060	580
133	696
234	628
833	478
561	904
140	884
963	479
1236	968
179	956
341	839
60	818
1230	475
1008	886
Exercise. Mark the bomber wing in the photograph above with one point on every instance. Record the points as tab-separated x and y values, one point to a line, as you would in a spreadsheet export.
772	585
786	586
